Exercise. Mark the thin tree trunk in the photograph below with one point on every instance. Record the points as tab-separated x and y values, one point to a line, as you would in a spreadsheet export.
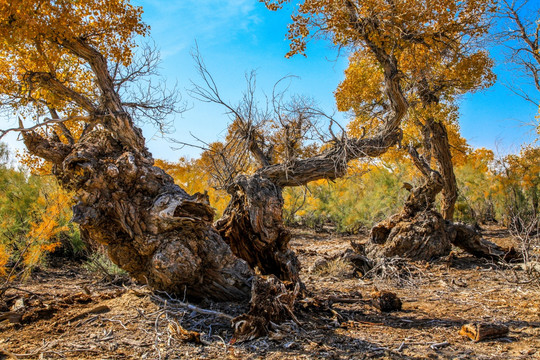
441	149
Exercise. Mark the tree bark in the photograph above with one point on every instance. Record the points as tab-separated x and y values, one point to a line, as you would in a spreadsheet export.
440	146
441	149
252	225
151	227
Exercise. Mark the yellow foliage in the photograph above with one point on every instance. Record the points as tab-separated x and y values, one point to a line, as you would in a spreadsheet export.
37	39
4	258
193	176
46	220
54	206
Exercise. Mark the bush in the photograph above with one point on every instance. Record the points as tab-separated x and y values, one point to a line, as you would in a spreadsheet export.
352	203
34	220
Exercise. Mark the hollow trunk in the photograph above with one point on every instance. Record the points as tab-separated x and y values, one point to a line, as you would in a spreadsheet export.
253	227
151	227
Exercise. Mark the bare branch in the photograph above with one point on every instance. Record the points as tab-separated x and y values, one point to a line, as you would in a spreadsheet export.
46	122
52	84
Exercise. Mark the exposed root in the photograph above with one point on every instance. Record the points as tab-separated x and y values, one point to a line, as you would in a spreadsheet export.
271	302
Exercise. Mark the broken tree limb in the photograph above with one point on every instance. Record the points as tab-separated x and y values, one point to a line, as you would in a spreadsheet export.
469	239
482	331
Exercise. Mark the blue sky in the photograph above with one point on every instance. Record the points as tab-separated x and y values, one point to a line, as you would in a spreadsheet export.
234	37
237	36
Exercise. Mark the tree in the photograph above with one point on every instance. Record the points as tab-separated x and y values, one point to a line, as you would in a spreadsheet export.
519	179
253	224
520	33
65	59
419	47
432	81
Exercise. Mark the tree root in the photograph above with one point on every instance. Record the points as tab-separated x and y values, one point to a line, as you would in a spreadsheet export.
271	303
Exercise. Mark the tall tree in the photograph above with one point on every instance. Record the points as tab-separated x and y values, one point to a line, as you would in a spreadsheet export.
411	45
72	60
431	88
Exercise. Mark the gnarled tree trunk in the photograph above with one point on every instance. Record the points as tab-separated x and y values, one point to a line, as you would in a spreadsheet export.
252	225
436	140
151	227
419	231
441	149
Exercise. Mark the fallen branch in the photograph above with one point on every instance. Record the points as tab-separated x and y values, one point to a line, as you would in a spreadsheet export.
181	304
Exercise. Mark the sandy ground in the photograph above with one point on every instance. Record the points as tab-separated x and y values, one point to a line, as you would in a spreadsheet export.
68	313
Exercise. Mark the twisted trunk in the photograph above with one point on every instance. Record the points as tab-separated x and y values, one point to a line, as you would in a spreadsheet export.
436	139
253	227
419	231
151	227
252	223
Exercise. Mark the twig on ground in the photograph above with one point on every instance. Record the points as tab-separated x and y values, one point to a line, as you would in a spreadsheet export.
181	304
438	346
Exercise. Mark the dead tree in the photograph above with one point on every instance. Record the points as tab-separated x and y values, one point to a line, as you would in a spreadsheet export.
252	224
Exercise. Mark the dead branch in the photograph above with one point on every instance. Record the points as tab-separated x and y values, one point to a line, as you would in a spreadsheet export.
173	303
